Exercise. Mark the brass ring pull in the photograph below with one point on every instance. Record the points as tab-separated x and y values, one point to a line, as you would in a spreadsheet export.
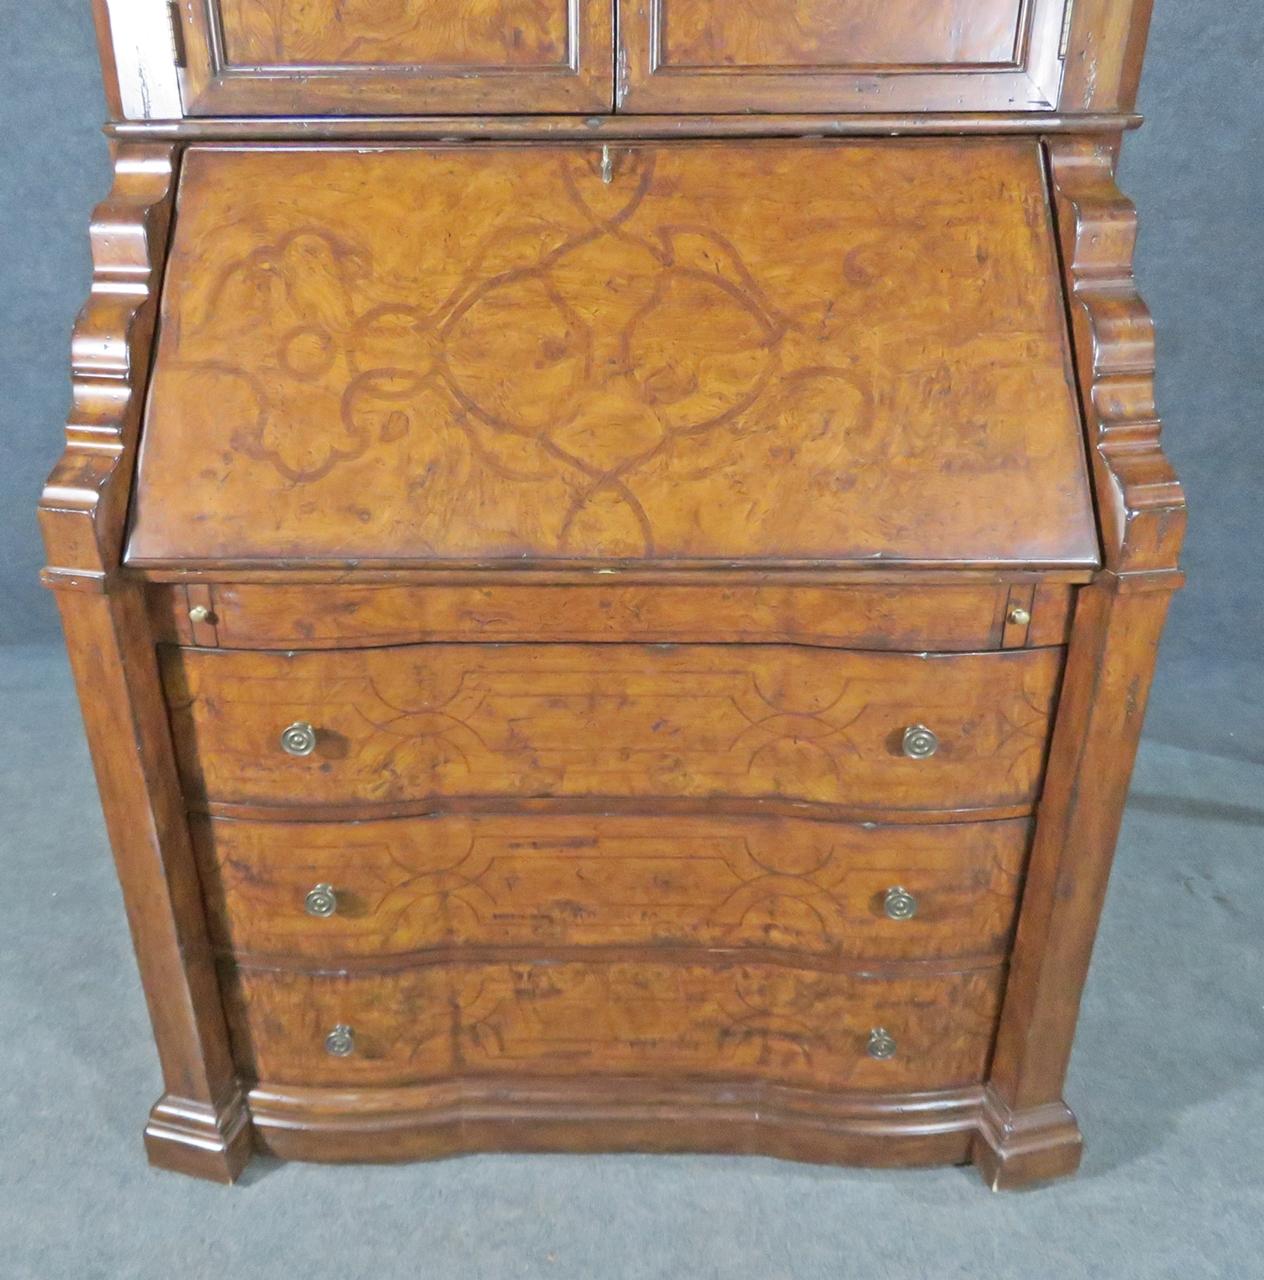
321	901
881	1044
298	739
340	1042
919	743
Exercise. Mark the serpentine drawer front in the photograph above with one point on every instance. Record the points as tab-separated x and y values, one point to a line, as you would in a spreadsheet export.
613	552
817	1030
380	727
342	892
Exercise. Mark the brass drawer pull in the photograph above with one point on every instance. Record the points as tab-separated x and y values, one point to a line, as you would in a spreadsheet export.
881	1044
919	742
899	904
340	1041
299	739
321	901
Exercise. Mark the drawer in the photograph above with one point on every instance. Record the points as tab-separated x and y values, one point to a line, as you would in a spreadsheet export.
957	617
420	723
341	891
734	1022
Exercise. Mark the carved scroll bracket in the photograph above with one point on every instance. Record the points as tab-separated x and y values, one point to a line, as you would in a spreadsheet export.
84	505
1140	502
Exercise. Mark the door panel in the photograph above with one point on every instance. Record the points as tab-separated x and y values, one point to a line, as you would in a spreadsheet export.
839	55
398	56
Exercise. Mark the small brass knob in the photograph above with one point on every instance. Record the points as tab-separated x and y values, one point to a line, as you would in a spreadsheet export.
881	1044
321	901
199	613
899	904
1020	617
299	739
919	742
340	1041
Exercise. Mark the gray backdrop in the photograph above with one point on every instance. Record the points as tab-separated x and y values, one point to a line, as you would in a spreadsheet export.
1194	170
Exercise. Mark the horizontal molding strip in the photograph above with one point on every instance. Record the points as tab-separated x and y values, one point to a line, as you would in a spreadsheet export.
578	127
484	954
608	806
298	574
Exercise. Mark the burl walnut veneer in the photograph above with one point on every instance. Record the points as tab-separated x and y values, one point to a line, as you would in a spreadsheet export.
613	552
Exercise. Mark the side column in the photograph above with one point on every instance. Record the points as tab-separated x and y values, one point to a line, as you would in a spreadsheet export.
201	1125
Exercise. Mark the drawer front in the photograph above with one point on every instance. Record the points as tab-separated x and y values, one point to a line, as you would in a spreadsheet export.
841	55
612	721
736	1022
357	57
921	617
340	891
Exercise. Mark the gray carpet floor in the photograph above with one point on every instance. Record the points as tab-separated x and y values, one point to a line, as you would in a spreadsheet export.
1167	1080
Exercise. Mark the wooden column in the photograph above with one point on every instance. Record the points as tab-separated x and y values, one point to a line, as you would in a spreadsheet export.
1027	1132
200	1125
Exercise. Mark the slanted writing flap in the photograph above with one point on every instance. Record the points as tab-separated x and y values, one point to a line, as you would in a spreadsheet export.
691	353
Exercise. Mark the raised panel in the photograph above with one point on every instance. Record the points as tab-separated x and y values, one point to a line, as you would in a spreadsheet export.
629	721
830	35
398	56
840	55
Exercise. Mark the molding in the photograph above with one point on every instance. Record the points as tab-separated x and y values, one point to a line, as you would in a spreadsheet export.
138	58
469	1115
1141	507
1104	51
195	1138
624	126
1015	1148
84	504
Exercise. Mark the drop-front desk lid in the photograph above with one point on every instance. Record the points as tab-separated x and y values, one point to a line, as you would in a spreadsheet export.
807	353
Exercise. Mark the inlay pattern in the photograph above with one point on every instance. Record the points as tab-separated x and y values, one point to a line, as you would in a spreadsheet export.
724	352
400	724
527	880
731	1022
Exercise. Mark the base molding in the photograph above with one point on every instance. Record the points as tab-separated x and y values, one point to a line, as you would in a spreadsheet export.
462	1117
953	1126
198	1139
1016	1148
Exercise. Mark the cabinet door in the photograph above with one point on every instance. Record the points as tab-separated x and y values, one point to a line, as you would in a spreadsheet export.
840	55
400	57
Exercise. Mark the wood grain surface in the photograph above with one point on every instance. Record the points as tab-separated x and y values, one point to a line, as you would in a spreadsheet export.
486	34
587	1019
612	721
840	55
912	617
750	353
831	33
532	881
361	57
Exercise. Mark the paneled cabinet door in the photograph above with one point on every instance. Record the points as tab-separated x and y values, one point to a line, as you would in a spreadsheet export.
839	55
396	57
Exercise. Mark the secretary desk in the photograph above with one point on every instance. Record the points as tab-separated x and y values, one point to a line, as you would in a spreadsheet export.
613	553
